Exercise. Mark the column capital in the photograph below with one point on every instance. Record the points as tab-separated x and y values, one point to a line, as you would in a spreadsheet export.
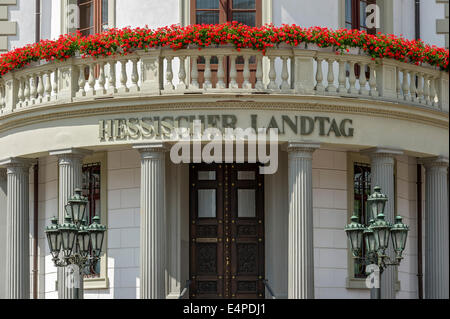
307	147
17	162
436	161
75	152
382	152
151	150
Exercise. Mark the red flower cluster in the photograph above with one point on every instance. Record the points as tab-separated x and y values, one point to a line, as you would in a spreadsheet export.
123	41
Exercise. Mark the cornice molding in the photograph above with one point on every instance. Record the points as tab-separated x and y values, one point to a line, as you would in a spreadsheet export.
334	106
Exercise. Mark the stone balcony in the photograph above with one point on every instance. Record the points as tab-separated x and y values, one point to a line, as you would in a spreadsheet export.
282	71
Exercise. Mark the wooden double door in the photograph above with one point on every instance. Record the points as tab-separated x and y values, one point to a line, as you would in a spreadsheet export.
226	231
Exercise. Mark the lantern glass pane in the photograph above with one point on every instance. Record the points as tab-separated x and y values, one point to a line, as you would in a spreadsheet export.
380	208
69	211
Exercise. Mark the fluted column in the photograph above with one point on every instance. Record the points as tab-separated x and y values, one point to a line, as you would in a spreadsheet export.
17	228
436	229
153	221
382	174
70	162
301	244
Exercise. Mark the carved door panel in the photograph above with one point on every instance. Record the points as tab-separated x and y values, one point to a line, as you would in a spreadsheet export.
226	231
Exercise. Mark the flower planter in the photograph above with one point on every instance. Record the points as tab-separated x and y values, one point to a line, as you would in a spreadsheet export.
129	40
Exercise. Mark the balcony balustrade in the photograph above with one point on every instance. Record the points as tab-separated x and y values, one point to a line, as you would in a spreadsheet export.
284	70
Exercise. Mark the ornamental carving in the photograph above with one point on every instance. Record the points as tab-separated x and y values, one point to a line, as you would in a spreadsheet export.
207	258
247	258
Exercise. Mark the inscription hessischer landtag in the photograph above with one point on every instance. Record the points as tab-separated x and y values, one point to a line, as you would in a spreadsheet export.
161	127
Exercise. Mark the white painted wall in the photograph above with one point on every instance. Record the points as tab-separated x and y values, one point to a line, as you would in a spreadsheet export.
429	12
306	13
23	14
138	13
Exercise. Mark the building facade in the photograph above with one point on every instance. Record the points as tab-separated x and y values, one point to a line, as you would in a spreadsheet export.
103	125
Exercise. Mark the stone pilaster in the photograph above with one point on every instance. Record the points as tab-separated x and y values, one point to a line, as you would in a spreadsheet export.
382	174
70	162
153	221
436	229
17	228
301	243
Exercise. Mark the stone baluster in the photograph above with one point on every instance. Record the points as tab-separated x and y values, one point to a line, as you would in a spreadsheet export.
48	85
342	89
112	82
426	89
285	86
259	85
420	88
40	87
81	81
91	79
331	88
352	78
412	86
319	77
101	78
220	73
272	74
182	85
20	95
55	83
135	76
207	74
433	91
33	89
233	73
363	80
194	72
168	86
405	86
246	73
26	91
398	85
373	82
123	77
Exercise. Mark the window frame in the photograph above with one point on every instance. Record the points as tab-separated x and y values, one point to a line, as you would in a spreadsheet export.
353	158
226	10
101	282
356	15
64	16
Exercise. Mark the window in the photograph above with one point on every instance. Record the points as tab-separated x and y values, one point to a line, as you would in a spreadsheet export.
355	15
220	11
92	190
355	18
361	191
248	12
93	16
